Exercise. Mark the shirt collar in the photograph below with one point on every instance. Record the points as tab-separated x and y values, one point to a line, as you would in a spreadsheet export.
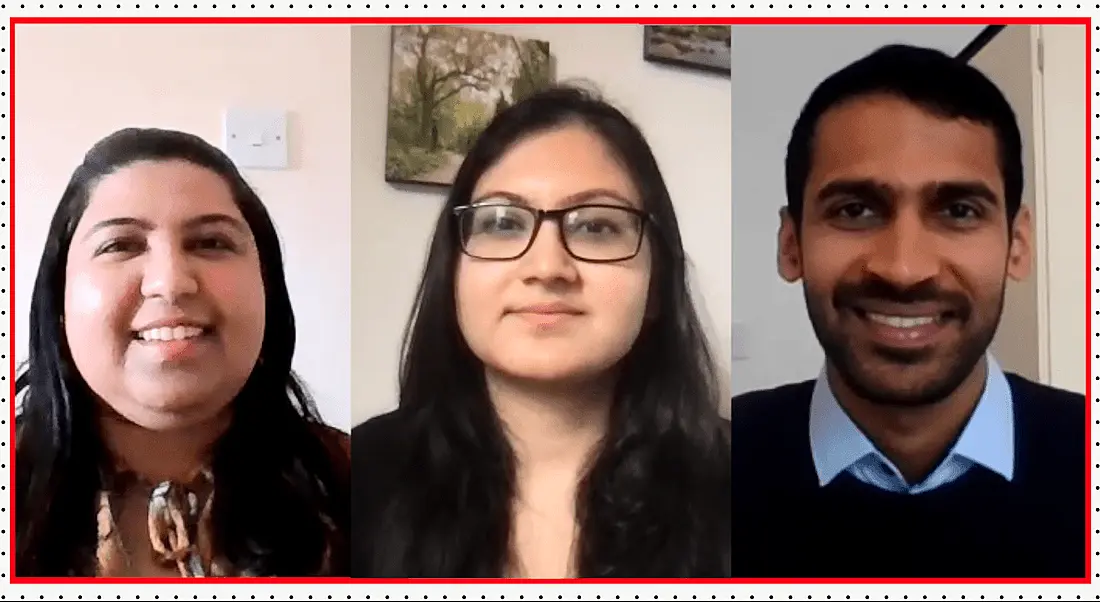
836	443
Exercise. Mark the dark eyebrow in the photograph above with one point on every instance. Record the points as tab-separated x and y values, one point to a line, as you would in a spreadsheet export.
117	221
217	218
577	198
939	192
862	189
202	220
953	191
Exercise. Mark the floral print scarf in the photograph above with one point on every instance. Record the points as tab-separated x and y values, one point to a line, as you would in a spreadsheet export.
179	521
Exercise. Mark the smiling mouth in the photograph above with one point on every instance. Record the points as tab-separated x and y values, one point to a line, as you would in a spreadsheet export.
906	327
908	319
902	321
168	334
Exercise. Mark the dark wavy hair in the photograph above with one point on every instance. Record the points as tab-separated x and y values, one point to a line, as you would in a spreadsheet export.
655	501
276	479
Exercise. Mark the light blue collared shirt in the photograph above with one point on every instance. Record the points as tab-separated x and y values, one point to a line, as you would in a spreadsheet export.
839	446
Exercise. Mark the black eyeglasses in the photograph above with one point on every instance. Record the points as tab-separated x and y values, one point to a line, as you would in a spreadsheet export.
502	231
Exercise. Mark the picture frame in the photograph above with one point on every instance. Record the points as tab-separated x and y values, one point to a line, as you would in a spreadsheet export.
446	83
700	47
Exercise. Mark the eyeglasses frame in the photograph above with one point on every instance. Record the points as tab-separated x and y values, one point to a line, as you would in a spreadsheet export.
557	216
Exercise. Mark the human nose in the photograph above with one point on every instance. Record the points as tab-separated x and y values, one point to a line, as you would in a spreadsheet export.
902	254
547	259
168	274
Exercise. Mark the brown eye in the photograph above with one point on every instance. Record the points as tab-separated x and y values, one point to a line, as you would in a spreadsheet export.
853	210
962	211
119	246
213	244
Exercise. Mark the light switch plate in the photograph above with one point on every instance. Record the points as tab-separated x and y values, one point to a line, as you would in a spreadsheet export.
255	138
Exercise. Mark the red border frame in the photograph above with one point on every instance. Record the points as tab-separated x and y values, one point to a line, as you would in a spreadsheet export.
1086	21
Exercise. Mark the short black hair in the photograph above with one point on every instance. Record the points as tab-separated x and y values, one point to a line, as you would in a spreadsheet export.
935	81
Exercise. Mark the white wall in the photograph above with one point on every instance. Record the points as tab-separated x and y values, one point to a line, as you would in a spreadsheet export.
775	68
684	115
75	84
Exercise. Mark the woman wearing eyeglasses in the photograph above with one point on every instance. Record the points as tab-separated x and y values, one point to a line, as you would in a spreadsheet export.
558	406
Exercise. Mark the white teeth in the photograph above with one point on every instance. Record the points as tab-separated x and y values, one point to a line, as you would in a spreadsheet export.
901	321
177	333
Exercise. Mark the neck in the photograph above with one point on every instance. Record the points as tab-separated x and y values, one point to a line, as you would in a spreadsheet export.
161	455
914	438
554	427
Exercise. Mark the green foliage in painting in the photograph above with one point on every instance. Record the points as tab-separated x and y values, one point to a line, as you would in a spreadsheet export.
446	83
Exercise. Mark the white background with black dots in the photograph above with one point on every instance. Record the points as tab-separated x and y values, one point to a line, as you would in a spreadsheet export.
771	12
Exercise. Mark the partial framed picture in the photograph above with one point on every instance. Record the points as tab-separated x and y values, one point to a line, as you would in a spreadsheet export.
446	84
701	47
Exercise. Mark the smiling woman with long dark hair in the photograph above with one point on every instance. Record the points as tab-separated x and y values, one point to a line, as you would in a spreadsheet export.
162	431
558	411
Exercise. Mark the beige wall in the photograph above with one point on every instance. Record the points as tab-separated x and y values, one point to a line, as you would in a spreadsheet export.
75	84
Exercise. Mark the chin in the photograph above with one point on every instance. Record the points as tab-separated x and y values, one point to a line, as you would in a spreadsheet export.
920	384
551	371
176	404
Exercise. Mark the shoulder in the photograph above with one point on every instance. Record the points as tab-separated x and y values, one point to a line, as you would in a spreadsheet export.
1052	428
770	435
1053	407
770	431
776	407
381	447
379	463
1020	384
380	433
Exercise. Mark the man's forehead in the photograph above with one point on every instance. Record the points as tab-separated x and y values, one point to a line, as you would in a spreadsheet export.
866	118
901	146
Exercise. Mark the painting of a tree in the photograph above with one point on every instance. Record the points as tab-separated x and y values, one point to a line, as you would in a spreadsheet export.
446	83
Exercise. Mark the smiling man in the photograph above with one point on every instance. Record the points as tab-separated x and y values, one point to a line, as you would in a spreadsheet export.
913	454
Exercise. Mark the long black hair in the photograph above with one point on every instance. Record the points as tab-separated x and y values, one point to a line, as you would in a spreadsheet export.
277	481
655	501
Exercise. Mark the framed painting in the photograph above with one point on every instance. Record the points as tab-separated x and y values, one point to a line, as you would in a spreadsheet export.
702	47
446	84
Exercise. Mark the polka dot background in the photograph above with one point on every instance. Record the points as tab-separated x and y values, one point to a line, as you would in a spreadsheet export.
978	12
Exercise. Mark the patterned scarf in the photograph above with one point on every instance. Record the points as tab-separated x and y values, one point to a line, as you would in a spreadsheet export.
180	529
179	521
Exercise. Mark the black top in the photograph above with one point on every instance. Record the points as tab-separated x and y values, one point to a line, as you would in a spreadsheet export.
373	471
388	449
785	524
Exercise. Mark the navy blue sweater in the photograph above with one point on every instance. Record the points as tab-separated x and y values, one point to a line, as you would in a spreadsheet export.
786	525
